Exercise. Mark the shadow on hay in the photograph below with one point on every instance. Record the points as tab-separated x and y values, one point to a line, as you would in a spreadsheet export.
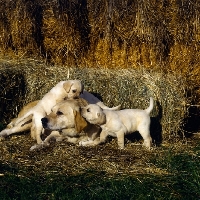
97	95
192	122
12	94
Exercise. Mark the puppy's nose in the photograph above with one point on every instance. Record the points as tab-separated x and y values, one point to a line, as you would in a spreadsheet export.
44	122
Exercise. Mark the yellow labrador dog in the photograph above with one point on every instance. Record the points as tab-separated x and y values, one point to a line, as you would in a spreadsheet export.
119	123
65	121
42	108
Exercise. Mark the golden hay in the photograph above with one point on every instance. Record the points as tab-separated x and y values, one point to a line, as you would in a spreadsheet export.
28	80
105	33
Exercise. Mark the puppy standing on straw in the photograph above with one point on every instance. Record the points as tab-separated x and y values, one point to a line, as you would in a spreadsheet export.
119	123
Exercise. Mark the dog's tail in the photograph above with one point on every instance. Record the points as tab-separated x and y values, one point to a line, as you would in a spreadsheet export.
150	108
107	108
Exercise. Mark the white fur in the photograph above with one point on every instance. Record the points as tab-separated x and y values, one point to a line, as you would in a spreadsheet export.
120	123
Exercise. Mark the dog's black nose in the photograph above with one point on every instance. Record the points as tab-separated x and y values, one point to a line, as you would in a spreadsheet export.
44	122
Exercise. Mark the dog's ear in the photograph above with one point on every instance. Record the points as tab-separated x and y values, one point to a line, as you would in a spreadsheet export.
67	86
80	122
82	102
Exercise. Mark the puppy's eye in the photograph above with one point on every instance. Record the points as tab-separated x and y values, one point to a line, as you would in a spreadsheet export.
59	113
88	110
74	91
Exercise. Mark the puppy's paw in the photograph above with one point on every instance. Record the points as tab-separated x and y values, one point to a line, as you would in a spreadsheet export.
83	143
59	139
148	144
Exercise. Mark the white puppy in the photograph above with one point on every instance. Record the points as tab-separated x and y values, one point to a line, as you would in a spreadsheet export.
119	123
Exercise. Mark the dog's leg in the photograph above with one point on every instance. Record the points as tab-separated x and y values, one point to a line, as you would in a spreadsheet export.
12	123
38	131
37	128
33	134
37	134
89	142
22	126
96	141
147	140
120	139
145	133
54	134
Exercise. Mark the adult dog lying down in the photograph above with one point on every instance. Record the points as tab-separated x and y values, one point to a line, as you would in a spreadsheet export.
65	121
70	89
119	123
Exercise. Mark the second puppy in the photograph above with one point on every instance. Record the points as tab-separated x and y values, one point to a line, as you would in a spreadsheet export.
119	123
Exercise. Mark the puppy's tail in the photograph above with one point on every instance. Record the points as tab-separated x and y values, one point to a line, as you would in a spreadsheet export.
107	108
150	108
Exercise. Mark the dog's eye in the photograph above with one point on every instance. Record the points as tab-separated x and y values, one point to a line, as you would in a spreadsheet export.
59	113
74	91
88	110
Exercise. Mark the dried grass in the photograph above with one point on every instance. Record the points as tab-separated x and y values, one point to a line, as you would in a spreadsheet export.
63	158
28	81
127	50
107	33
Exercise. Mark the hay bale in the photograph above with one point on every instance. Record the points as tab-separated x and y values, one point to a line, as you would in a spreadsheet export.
129	87
74	31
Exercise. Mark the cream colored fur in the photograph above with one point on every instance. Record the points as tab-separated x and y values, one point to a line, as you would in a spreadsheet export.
65	121
119	123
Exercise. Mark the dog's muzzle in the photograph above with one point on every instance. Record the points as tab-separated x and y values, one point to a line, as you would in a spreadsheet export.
44	122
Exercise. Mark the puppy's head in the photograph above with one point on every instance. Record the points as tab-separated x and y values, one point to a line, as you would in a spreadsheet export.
94	114
73	88
65	115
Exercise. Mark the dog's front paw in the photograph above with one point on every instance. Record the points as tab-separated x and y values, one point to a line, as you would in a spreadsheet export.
83	143
86	143
39	146
36	147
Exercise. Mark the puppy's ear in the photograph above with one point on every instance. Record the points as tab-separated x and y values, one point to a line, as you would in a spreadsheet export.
80	122
67	86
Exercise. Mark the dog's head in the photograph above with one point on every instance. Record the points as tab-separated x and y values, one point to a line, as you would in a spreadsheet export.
73	88
65	115
94	114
